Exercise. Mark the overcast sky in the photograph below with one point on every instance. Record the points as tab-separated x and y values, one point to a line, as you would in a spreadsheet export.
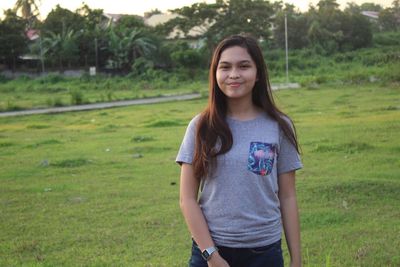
141	6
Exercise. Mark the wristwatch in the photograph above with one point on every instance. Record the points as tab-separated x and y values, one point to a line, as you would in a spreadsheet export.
207	253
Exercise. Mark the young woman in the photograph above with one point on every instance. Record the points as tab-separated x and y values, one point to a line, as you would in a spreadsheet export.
242	153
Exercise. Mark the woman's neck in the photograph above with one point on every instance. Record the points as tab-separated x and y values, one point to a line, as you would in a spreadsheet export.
242	110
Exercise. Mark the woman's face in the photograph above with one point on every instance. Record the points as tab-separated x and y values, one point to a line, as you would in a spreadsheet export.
236	73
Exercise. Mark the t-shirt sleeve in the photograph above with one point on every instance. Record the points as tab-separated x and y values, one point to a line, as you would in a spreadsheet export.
186	150
288	157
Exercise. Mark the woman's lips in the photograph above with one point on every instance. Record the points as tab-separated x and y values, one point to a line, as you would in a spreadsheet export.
234	85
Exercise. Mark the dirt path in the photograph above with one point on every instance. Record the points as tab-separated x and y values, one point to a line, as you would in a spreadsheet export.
101	105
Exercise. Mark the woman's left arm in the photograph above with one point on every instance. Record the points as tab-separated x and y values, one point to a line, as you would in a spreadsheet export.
290	216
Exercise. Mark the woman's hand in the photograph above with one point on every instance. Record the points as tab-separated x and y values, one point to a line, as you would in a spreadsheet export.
217	261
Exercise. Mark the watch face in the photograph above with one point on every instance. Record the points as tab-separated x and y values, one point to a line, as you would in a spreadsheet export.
206	254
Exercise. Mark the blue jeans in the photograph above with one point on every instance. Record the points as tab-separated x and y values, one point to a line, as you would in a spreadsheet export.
268	256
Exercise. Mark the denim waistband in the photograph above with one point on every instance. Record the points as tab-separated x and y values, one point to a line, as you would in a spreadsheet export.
243	248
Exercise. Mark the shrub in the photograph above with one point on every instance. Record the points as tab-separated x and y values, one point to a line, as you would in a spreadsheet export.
386	39
3	79
57	102
77	97
391	73
141	65
51	78
356	76
85	77
11	106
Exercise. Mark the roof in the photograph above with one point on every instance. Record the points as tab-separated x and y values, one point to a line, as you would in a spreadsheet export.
113	17
159	19
32	34
370	14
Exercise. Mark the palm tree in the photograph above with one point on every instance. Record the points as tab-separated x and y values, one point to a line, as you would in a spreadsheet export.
28	8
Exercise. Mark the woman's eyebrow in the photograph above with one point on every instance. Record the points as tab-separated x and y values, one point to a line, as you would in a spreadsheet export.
240	62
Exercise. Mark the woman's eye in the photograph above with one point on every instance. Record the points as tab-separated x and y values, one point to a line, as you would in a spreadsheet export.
224	67
244	66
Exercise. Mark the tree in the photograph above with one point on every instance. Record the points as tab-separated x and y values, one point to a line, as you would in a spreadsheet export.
200	16
29	10
223	18
13	41
329	15
249	16
129	22
324	32
353	8
357	31
389	18
93	18
61	32
297	27
371	7
93	38
186	57
60	19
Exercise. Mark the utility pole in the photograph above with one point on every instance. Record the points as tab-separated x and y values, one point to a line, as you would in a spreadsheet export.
96	53
286	48
41	53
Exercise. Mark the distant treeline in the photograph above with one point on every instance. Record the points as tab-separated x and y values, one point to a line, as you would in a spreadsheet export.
88	37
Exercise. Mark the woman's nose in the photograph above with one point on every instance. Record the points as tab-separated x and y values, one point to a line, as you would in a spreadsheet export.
234	74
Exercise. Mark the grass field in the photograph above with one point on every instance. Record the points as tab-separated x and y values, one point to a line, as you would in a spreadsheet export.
100	188
56	90
377	65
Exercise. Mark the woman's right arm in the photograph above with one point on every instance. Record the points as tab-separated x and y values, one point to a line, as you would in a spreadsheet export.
189	188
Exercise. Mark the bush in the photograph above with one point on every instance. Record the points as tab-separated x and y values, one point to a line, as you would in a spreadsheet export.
55	102
11	106
3	79
343	57
141	65
357	77
386	39
391	73
85	77
77	97
51	78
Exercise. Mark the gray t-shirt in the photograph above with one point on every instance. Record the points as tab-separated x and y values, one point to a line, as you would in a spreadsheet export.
239	199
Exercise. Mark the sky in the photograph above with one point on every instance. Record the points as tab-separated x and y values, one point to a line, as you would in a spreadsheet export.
139	7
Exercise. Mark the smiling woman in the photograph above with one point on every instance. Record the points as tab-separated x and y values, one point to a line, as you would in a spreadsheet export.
242	151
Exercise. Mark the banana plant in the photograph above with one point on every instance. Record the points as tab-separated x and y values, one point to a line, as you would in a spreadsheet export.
62	47
126	46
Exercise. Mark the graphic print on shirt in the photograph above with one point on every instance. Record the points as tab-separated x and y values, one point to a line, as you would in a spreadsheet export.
261	158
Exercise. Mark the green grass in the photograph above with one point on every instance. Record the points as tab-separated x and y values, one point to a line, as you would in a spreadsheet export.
56	91
377	65
101	188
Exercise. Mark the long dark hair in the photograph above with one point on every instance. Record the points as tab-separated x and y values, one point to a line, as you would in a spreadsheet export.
213	136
